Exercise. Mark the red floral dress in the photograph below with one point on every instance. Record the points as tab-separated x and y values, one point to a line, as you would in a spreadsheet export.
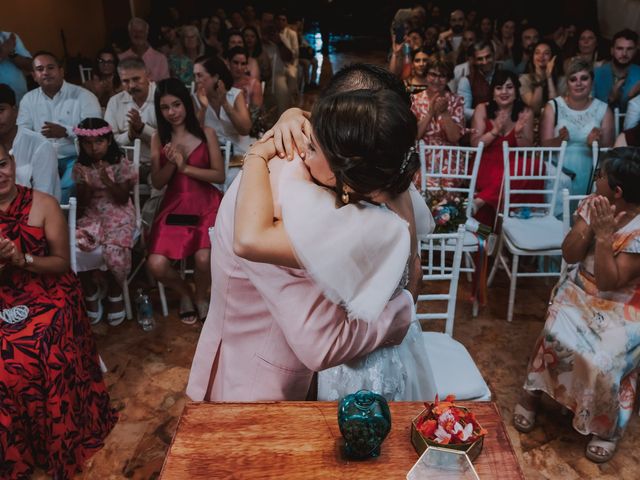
54	406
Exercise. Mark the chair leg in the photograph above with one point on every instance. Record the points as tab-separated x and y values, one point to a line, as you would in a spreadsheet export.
512	286
127	299
475	307
468	263
496	264
163	299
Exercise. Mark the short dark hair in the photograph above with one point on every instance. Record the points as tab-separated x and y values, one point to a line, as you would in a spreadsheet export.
622	167
481	45
114	153
215	66
258	50
366	76
627	34
173	86
500	78
41	53
366	136
7	95
237	51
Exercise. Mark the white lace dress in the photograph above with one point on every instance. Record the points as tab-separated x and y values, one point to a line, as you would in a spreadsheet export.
358	255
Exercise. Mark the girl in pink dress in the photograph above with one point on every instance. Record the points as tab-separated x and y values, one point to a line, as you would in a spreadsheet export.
107	220
187	160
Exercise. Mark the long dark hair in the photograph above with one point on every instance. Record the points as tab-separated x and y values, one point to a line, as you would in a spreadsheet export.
113	155
258	48
173	86
215	66
500	78
368	138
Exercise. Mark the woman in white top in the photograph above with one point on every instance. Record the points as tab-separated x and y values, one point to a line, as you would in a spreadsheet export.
580	120
221	106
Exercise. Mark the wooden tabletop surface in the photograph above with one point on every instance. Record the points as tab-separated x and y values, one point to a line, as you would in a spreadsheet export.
301	440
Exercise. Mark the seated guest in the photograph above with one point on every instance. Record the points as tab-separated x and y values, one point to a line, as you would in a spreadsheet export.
35	157
417	82
187	159
461	55
54	406
522	52
107	220
181	63
440	113
506	40
541	82
475	87
131	113
104	81
614	80
214	34
54	109
450	40
238	67
580	120
221	105
253	44
15	60
398	63
156	62
236	39
587	48
586	358
504	119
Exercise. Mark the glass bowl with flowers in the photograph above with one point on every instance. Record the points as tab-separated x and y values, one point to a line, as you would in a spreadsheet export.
444	424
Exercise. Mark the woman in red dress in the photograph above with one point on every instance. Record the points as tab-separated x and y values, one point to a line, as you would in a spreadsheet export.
187	160
504	119
54	407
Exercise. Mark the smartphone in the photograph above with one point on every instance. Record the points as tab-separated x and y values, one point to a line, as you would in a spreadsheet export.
183	220
399	32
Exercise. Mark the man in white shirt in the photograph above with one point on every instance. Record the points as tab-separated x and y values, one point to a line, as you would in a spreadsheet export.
36	161
475	87
156	62
450	40
54	109
131	113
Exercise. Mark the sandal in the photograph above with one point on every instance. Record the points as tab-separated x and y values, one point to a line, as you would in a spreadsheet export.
187	312
116	318
95	315
203	310
524	420
600	450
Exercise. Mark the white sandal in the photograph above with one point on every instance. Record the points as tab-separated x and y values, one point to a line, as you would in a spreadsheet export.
116	318
600	450
95	316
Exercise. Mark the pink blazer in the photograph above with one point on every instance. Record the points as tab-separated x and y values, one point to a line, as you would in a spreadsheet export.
269	328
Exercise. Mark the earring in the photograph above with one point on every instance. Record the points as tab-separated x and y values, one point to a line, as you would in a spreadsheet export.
345	196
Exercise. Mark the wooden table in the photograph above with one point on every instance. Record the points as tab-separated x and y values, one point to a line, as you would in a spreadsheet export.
301	440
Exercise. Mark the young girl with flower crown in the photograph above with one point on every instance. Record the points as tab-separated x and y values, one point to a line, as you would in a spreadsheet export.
106	224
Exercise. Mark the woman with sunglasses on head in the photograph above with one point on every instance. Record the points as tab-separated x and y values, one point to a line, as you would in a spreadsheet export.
586	357
580	120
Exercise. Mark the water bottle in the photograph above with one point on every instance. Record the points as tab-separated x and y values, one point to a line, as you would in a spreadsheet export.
145	311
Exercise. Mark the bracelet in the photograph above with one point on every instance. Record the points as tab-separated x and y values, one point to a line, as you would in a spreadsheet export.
253	154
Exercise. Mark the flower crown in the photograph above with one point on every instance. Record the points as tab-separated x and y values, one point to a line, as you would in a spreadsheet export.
92	132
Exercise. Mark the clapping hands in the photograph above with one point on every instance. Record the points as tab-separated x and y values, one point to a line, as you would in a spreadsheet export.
175	156
603	218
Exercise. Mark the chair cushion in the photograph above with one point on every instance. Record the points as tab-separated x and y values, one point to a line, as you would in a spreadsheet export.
536	233
454	370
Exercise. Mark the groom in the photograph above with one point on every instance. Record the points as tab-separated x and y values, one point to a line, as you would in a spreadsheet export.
269	328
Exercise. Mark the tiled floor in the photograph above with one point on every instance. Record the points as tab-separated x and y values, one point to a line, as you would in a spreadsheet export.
148	373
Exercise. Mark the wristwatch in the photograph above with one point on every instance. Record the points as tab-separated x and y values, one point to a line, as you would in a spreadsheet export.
28	259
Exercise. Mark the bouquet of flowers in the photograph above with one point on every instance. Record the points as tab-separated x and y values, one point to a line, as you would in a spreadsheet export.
449	211
447	424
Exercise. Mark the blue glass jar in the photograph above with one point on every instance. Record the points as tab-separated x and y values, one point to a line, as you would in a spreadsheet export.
365	421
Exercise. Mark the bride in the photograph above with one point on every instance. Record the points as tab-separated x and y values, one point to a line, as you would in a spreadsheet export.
345	213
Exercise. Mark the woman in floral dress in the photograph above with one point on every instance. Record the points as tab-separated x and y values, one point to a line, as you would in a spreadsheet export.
586	357
107	221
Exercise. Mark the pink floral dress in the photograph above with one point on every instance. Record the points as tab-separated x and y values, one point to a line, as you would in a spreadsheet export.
105	223
588	353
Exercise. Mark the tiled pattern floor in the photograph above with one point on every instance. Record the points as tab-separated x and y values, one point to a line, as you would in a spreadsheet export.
148	373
